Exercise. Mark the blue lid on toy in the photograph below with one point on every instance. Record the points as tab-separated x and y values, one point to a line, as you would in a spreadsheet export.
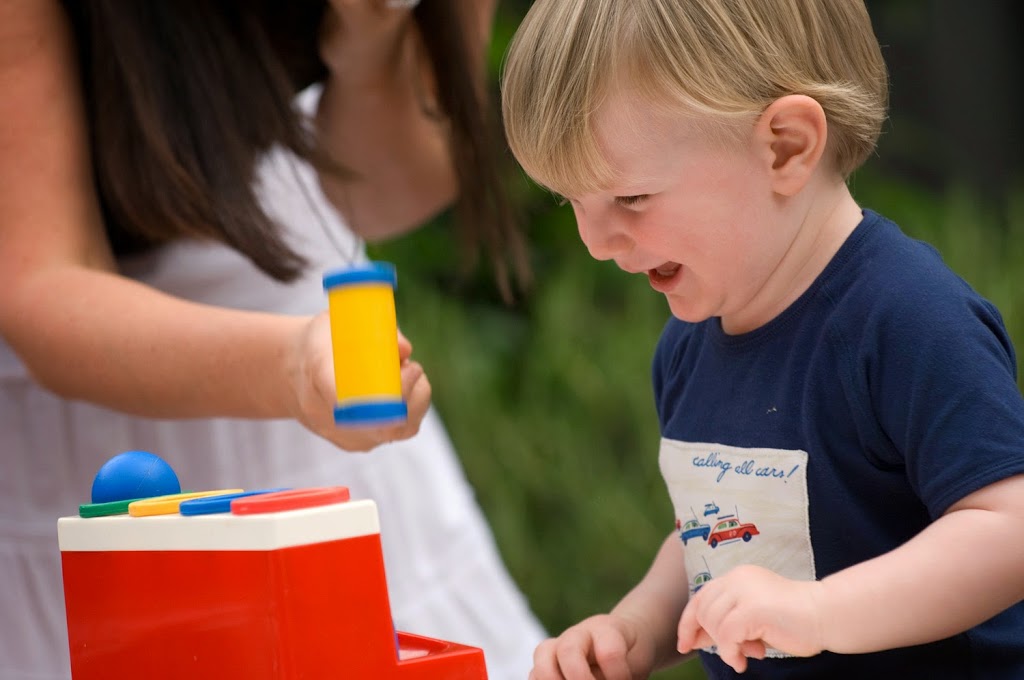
212	505
372	272
371	413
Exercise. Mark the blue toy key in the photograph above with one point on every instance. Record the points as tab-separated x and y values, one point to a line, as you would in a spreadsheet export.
212	505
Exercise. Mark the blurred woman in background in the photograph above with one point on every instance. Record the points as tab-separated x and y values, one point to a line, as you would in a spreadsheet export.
174	180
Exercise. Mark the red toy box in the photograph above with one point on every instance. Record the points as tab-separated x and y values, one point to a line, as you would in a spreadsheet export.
284	586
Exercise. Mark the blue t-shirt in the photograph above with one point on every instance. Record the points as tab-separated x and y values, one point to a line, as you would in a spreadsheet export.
838	431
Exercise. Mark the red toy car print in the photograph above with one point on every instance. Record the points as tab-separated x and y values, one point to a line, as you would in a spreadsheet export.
731	529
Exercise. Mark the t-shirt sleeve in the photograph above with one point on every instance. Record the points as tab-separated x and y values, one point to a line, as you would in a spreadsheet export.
941	380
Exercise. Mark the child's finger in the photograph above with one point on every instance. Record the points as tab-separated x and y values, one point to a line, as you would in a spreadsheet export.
699	640
689	630
730	653
754	649
545	663
610	654
573	659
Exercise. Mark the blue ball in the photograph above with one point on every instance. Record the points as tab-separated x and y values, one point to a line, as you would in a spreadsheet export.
134	474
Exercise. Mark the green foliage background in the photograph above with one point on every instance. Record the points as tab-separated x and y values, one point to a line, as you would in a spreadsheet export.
548	401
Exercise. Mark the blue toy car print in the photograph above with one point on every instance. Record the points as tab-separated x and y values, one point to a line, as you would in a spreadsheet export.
694	529
699	580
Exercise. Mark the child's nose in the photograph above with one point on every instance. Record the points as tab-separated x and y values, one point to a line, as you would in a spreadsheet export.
603	239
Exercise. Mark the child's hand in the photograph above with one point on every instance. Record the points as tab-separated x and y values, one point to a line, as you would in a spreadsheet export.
312	376
749	609
606	646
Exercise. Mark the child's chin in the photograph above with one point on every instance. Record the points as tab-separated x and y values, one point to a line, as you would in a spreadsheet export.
686	312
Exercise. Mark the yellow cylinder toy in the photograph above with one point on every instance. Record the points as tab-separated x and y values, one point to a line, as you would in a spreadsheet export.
364	339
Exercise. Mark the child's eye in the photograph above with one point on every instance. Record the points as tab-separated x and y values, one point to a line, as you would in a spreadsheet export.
630	201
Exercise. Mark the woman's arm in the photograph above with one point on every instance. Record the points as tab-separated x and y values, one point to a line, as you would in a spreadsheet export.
87	333
375	116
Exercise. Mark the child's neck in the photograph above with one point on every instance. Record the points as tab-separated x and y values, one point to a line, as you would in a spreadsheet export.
821	225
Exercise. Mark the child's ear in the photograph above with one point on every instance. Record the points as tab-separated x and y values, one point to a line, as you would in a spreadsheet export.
792	132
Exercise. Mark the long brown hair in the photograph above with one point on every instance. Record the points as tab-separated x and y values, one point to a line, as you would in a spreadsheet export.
170	91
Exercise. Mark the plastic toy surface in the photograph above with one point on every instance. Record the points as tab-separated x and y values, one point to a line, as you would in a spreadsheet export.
364	338
284	584
133	474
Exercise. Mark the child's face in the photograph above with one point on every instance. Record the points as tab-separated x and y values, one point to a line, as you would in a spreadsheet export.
696	215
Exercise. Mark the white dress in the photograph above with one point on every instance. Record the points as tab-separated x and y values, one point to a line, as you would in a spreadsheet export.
445	576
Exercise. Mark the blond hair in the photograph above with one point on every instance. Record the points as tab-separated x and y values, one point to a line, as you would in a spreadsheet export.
721	61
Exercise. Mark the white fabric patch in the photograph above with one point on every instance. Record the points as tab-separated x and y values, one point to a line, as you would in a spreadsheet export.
739	506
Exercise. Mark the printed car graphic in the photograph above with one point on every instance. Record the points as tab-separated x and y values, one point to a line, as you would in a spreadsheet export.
694	529
711	509
701	577
699	580
729	528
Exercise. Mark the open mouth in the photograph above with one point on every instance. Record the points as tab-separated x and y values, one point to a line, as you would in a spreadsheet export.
664	278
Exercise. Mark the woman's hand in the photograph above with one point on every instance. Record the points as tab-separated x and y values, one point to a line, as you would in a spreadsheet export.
312	379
